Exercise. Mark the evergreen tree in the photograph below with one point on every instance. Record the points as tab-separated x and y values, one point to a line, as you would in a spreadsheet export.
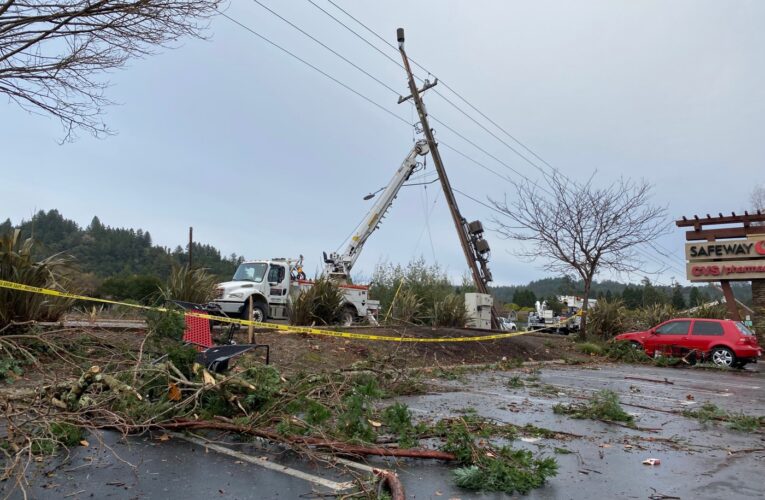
695	297
524	297
632	297
678	301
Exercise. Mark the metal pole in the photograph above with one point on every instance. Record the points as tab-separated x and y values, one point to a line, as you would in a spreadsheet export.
250	328
459	222
191	243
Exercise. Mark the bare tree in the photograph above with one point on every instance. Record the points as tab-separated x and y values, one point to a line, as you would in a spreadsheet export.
54	54
581	229
757	198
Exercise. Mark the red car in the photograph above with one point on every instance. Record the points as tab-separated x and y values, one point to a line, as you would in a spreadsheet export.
724	342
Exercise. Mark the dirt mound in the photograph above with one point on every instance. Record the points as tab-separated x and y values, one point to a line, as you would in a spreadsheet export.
313	352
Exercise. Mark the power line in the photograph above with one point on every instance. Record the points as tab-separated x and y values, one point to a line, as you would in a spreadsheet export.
472	143
389	44
461	97
394	92
318	70
391	89
387	111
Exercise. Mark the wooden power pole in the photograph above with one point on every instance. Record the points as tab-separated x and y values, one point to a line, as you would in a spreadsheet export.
476	248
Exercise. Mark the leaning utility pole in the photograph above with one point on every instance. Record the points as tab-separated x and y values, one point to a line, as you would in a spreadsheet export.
476	248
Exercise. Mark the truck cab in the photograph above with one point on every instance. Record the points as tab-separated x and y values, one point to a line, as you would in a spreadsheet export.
266	281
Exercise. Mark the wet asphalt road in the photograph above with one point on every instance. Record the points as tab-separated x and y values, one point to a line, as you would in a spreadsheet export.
697	461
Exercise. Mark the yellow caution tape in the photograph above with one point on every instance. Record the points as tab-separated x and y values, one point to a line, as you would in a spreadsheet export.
285	328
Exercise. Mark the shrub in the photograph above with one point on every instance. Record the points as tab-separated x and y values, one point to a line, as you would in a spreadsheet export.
429	284
589	348
165	324
142	288
607	319
626	351
17	264
714	311
189	285
450	312
408	308
652	315
322	303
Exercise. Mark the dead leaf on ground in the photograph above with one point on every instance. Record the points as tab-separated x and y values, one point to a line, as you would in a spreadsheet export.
84	443
173	392
374	423
164	437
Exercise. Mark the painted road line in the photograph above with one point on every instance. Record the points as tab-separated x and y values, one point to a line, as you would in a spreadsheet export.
267	464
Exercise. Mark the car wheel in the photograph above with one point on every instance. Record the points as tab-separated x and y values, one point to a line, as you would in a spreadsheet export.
722	356
348	315
258	312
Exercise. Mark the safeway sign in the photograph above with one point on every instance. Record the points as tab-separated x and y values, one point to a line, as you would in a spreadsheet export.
726	260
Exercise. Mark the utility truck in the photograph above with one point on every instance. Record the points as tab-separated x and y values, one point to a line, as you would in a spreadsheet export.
273	283
545	320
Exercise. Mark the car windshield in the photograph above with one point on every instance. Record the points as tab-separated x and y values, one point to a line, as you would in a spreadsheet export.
744	329
251	272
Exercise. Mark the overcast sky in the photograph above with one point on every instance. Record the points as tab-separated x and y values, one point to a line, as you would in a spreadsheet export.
265	157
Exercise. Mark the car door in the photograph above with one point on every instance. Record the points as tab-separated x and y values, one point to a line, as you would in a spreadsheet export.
704	334
668	336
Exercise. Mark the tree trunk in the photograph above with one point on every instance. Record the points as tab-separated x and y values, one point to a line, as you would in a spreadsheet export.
758	306
585	307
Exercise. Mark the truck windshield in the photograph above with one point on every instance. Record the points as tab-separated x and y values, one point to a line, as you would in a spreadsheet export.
251	272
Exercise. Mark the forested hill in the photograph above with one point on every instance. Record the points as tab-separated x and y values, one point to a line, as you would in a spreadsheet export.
101	251
633	295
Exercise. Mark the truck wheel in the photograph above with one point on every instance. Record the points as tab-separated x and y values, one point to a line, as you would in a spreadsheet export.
347	316
258	311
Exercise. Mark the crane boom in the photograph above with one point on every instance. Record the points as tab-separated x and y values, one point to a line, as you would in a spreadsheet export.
338	266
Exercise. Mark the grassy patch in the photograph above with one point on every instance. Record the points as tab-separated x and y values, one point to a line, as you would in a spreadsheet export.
454	373
10	369
626	352
667	361
604	405
590	348
515	382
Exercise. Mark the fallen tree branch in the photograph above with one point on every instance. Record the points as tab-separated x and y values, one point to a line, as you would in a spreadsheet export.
391	480
336	446
665	381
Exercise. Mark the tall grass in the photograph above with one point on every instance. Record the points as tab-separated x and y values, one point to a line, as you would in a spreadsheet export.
607	319
450	312
650	316
321	304
18	264
189	285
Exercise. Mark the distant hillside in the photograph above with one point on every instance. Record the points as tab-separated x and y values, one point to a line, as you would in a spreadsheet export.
634	295
103	252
